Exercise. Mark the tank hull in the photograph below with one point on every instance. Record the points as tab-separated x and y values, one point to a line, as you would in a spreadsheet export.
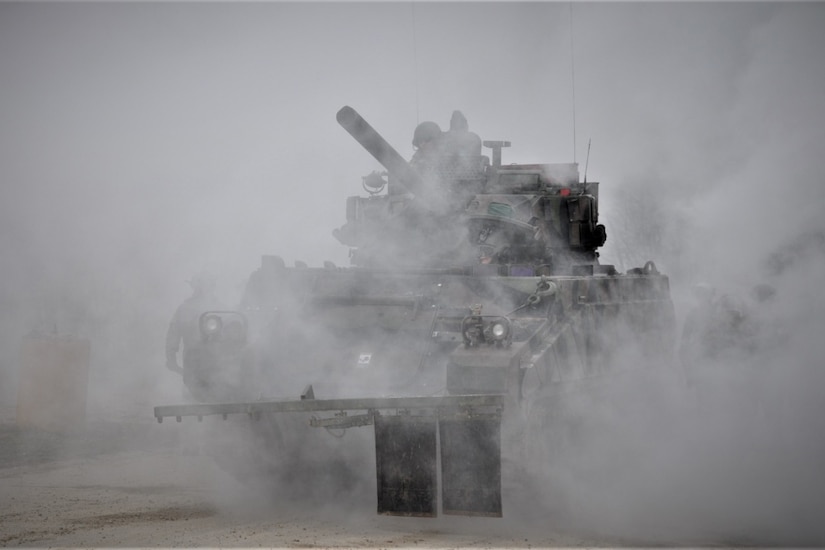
403	358
475	307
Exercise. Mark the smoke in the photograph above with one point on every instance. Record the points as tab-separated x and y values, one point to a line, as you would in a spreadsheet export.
731	454
142	143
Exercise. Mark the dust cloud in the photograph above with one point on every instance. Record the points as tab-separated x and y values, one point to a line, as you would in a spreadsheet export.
142	143
732	456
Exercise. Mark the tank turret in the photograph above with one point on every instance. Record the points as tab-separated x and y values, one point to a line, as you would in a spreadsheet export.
531	218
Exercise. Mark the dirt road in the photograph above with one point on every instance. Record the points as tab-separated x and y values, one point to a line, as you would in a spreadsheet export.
119	486
711	476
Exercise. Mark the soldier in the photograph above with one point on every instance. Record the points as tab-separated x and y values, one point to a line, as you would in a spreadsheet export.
446	152
426	140
460	141
448	162
184	325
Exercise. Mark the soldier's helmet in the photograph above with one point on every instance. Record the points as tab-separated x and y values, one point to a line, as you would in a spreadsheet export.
424	132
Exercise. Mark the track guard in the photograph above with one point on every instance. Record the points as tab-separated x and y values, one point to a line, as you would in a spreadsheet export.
471	466
405	459
406	455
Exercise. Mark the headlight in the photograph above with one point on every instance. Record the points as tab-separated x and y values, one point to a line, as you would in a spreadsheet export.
499	331
481	329
211	324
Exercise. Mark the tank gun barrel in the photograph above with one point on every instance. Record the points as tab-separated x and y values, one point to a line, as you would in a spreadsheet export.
378	147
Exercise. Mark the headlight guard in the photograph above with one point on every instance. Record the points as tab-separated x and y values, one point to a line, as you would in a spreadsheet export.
486	329
223	326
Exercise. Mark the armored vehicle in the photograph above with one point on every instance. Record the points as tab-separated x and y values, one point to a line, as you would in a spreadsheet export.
475	292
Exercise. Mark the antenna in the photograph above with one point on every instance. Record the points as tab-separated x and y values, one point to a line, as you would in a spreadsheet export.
573	80
415	62
587	160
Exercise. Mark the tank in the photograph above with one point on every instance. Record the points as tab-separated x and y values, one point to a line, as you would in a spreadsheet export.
475	294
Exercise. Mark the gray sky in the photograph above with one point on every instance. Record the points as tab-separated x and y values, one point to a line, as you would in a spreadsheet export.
172	135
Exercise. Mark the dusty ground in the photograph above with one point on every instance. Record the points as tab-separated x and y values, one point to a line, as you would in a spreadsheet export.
118	485
712	476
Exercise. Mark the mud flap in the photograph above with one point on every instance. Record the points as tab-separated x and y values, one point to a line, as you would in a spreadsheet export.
471	466
405	456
